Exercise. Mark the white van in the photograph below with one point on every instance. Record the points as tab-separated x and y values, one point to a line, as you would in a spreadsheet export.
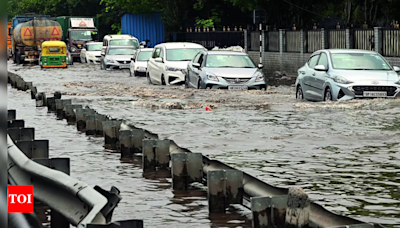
168	62
119	40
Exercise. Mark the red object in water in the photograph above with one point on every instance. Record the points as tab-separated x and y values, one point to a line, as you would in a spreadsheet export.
208	109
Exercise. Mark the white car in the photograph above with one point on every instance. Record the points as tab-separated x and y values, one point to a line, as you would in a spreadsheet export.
168	62
91	52
138	65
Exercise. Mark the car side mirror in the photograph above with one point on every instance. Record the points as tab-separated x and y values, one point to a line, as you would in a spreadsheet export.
396	69
196	65
133	59
159	60
320	68
260	66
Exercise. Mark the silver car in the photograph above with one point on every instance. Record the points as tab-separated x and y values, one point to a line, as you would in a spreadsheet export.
139	62
224	70
338	75
117	57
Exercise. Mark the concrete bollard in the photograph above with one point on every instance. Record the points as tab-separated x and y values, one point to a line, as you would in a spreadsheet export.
137	139
40	99
33	92
99	124
11	114
57	95
269	211
60	107
126	143
155	154
34	148
51	104
15	123
186	168
90	123
69	112
28	86
298	209
111	133
225	187
80	120
21	133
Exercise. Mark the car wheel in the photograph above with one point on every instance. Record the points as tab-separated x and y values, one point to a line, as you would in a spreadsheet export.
86	61
149	79
299	93
328	95
162	80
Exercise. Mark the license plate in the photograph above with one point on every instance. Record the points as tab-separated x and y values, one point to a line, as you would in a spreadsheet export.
238	88
125	67
375	94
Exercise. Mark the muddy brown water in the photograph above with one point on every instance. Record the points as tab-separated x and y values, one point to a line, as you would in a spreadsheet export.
345	154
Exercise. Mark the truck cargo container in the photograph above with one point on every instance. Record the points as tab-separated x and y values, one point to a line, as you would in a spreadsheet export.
77	31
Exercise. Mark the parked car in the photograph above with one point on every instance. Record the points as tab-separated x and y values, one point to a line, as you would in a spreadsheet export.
91	52
117	57
168	63
337	75
230	70
139	62
119	40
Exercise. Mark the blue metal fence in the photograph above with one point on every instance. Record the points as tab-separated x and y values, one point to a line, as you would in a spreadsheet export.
145	26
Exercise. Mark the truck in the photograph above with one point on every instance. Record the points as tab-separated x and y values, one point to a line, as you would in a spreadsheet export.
28	32
77	31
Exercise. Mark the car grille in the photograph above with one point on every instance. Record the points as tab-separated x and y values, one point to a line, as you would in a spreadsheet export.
391	90
124	62
98	56
237	80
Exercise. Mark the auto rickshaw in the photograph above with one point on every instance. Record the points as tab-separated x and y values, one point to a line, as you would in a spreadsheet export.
54	54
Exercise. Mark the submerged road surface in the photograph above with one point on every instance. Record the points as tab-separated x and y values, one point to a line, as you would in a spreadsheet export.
345	154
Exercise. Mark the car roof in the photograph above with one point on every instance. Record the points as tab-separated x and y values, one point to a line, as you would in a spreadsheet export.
89	43
118	46
116	36
343	51
180	45
225	53
145	49
52	43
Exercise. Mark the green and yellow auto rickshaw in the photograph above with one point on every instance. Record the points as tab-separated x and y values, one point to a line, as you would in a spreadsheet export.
54	54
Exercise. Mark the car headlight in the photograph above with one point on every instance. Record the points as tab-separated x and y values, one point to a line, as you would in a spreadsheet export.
109	60
341	80
73	49
259	77
167	68
212	77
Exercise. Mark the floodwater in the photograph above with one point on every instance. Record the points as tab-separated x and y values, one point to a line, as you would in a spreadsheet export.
345	154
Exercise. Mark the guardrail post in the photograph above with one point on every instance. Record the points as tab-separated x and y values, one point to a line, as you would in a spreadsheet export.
216	191
34	148
269	211
99	118
298	209
15	123
70	114
21	133
126	143
155	154
57	219
33	92
234	187
41	99
111	130
90	124
11	114
137	139
186	168
60	107
259	209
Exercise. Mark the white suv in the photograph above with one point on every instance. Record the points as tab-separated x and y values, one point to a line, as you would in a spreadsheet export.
168	62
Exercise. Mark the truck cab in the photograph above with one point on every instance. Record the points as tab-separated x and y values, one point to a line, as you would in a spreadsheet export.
78	31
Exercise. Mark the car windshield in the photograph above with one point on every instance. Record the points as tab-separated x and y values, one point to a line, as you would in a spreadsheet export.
182	54
121	51
359	61
231	61
125	42
144	55
95	47
83	35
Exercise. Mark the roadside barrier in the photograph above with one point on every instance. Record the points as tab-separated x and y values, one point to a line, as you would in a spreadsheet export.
271	206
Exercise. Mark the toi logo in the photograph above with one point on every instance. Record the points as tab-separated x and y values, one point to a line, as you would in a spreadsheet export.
20	198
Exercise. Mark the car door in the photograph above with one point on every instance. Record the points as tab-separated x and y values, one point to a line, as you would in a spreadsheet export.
152	67
197	71
191	70
161	66
320	76
309	84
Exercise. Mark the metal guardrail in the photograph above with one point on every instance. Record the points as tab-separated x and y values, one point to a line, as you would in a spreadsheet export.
156	155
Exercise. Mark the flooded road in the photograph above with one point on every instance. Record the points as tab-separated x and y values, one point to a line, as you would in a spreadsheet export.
345	154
